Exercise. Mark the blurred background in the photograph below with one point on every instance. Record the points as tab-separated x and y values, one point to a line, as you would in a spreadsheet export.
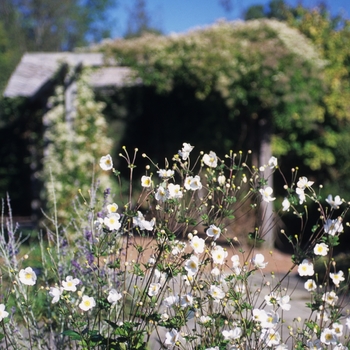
164	73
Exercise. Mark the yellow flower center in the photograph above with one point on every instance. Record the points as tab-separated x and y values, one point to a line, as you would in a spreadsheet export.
329	336
193	265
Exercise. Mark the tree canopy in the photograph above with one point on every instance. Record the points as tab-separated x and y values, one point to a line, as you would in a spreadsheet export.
55	26
330	34
140	21
277	9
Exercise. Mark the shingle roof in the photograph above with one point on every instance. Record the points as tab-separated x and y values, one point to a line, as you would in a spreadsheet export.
36	69
111	76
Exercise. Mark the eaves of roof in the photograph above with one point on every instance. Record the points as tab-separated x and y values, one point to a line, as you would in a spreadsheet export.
36	69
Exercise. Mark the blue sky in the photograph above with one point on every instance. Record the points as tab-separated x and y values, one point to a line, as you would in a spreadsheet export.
181	15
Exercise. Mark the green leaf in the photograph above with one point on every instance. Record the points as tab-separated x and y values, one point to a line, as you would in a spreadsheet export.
231	199
314	228
187	220
255	237
112	324
95	336
114	265
333	240
138	271
72	334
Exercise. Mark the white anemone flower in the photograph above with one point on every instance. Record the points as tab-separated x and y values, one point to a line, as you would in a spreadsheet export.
70	284
334	203
171	337
306	268
330	298
211	159
27	276
216	293
300	192
271	299
340	347
322	315
259	315
154	289
272	163
197	244
304	183
235	261
142	223
321	249
87	303
310	285
266	194
55	293
337	277
165	173
214	232
285	204
114	296
314	345
204	319
164	317
187	182
270	336
337	329
258	261
232	334
186	300
332	227
219	254
3	312
171	300
146	181
283	302
328	337
271	320
111	221
281	346
192	265
215	271
195	183
186	150
221	180
106	162
239	287
98	223
160	276
178	247
161	194
112	208
147	225
174	191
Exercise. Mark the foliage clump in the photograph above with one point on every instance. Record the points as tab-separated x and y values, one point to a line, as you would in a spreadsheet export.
75	136
264	71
